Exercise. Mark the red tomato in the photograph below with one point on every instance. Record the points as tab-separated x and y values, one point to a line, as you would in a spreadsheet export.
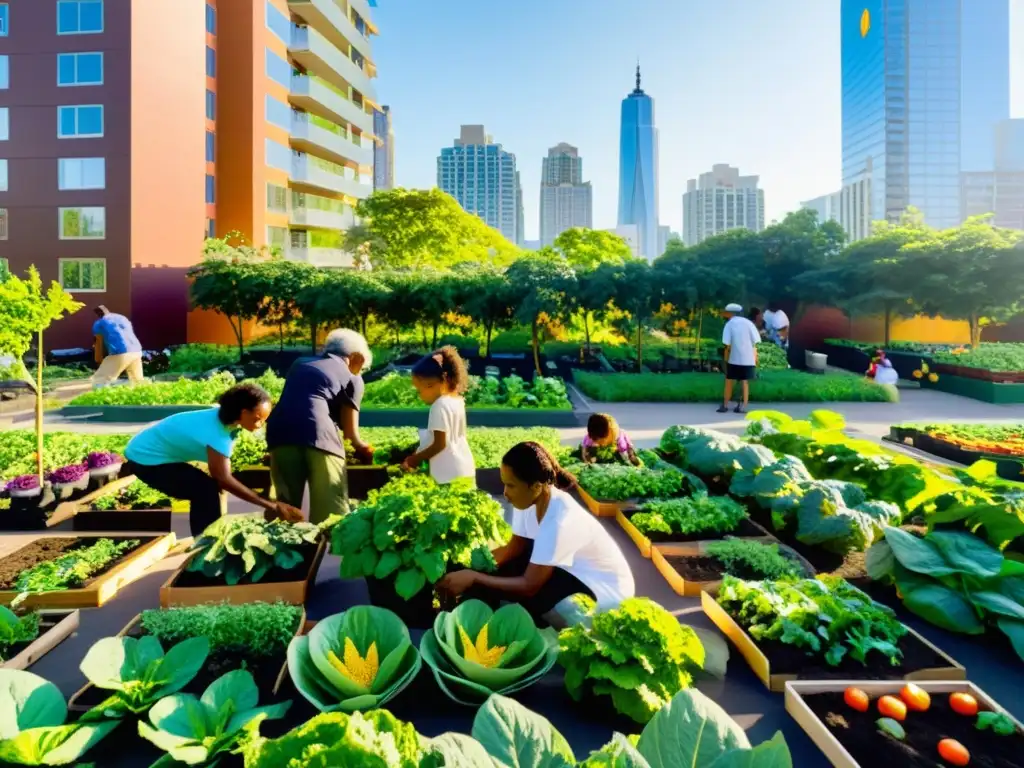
855	698
963	704
916	698
953	752
890	706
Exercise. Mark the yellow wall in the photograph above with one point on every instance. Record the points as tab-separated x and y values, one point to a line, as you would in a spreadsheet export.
925	329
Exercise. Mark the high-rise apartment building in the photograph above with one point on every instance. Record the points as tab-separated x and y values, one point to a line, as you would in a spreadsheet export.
923	84
566	201
483	178
131	130
1000	191
384	151
719	201
638	169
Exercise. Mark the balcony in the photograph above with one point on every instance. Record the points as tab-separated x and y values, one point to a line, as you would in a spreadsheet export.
314	52
315	95
362	7
317	218
330	20
307	136
306	172
322	257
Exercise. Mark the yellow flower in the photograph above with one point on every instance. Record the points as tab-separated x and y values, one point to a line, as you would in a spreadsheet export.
480	653
361	671
918	374
933	377
924	367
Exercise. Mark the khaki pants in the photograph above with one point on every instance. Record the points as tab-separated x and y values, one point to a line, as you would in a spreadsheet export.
292	466
113	366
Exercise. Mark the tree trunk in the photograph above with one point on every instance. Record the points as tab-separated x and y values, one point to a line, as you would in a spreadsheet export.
423	333
586	336
236	326
433	344
39	410
280	337
700	330
639	347
975	324
888	325
536	346
487	349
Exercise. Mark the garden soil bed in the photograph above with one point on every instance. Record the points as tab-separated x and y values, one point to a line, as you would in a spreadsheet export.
851	739
54	626
691	572
42	550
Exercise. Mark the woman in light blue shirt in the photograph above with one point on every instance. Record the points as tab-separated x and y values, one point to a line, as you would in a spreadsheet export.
162	456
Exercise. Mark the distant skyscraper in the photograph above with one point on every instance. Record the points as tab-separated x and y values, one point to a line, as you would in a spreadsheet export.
638	169
1000	191
923	84
384	151
566	201
827	206
483	178
719	201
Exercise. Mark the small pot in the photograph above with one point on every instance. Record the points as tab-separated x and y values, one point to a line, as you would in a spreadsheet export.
25	493
107	471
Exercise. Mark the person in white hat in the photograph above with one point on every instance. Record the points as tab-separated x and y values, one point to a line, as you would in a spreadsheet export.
740	337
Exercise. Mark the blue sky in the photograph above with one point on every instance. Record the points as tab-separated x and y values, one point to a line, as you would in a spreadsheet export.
747	82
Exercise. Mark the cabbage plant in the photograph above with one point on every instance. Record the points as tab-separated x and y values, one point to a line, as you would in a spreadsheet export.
200	731
355	660
32	729
475	651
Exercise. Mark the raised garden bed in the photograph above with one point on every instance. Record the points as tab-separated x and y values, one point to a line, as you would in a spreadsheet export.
977	389
850	739
690	570
104	510
100	587
667	543
603	508
53	505
775	663
54	627
287	586
969	372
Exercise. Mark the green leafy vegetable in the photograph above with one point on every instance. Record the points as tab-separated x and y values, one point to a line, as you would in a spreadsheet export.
765	560
262	629
515	737
16	630
998	722
136	495
619	482
700	514
241	548
74	567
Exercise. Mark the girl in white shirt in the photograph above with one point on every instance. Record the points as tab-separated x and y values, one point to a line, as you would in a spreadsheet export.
441	379
557	549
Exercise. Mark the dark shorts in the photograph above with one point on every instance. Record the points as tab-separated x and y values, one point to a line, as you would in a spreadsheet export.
739	372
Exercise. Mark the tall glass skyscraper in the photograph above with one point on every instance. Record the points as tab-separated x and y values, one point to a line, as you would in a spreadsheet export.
638	170
924	84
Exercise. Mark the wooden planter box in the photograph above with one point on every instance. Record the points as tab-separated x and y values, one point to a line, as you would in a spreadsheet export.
102	588
362	480
291	592
602	508
75	706
84	518
256	479
1000	377
686	588
646	546
829	744
977	389
55	626
776	682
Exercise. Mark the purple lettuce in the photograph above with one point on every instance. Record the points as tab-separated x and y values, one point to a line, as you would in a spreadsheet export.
67	475
23	483
101	459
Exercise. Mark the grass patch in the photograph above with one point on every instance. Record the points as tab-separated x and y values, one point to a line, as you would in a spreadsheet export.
770	387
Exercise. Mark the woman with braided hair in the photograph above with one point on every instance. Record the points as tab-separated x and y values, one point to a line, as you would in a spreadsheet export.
558	549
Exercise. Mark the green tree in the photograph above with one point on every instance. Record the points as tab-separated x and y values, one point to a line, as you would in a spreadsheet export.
488	301
797	244
350	297
408	228
636	290
594	291
587	248
540	286
280	283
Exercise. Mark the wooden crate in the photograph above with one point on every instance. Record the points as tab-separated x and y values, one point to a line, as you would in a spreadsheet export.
65	626
777	682
291	592
695	549
829	744
74	706
102	588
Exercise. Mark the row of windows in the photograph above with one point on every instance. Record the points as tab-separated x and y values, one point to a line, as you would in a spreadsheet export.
72	223
72	173
83	121
74	17
82	275
72	69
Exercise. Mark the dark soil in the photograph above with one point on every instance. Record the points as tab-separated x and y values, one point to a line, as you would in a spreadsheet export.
785	659
746	529
706	568
50	548
858	734
273	576
45	625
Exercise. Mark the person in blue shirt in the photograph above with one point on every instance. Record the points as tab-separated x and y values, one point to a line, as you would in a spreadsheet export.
162	456
123	352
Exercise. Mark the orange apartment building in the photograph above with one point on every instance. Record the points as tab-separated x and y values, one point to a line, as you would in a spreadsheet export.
130	130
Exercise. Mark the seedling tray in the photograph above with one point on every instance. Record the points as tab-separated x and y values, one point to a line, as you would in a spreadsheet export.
747	530
87	697
54	627
946	669
687	588
291	592
833	749
100	589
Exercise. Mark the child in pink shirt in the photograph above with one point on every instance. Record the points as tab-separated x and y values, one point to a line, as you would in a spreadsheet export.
604	433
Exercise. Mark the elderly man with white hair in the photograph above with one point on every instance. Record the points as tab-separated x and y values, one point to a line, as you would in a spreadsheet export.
321	395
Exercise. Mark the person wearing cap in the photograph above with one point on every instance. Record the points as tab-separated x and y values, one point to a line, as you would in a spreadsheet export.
117	348
740	337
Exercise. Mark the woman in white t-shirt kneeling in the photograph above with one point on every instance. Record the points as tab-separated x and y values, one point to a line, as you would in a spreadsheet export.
557	549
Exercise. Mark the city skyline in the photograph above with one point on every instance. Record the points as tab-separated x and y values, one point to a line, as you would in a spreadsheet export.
638	169
746	114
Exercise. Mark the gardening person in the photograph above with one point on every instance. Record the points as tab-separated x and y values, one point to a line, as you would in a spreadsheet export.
604	433
776	325
162	455
117	348
740	338
321	395
558	549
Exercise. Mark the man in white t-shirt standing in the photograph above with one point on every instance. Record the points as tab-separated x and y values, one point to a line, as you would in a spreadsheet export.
740	337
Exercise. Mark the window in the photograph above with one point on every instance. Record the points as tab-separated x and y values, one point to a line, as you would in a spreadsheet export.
3	175
79	17
211	189
4	19
278	156
278	69
211	227
211	144
84	275
79	69
278	23
81	173
80	122
277	237
5	117
211	19
5	73
211	105
82	223
3	236
278	113
277	198
211	62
